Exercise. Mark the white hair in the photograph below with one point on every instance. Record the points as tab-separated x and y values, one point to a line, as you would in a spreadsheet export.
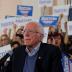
40	27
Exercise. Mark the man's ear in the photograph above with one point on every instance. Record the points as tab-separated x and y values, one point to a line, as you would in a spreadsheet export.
41	37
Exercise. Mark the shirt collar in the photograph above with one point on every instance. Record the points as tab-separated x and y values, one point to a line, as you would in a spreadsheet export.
34	50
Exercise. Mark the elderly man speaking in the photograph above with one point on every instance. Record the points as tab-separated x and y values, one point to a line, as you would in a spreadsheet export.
35	56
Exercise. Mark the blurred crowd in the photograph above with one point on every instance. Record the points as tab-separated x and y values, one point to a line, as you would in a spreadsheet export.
55	37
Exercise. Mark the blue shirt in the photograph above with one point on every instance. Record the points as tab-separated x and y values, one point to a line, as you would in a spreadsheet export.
31	59
67	63
33	51
29	65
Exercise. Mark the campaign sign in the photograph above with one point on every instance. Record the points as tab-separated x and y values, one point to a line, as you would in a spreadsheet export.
46	30
4	50
24	10
45	2
64	9
49	20
69	27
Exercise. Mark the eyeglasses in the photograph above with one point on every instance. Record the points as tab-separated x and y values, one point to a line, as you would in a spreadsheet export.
30	31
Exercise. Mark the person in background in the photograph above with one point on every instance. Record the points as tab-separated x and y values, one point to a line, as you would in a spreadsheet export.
50	38
19	39
4	40
18	34
35	56
19	31
15	44
67	60
65	49
58	39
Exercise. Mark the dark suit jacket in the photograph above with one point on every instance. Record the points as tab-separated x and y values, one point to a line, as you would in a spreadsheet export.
48	59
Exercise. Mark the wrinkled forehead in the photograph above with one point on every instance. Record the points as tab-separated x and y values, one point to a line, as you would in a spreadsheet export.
31	25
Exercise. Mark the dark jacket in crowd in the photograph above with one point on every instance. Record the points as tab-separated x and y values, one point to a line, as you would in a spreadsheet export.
48	59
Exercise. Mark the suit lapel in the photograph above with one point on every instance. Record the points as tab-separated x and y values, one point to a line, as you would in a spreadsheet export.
43	59
39	61
19	60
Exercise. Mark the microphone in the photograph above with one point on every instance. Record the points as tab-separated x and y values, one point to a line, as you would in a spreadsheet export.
3	59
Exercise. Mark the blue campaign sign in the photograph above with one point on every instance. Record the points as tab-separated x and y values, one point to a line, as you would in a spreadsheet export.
49	20
24	10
